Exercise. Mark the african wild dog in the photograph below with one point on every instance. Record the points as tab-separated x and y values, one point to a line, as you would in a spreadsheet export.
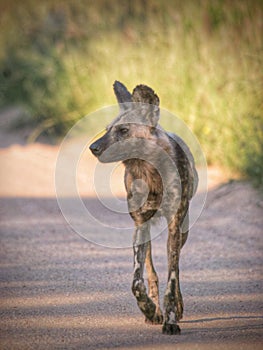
160	180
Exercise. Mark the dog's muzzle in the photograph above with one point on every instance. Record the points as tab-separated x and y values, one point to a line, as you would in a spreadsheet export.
96	148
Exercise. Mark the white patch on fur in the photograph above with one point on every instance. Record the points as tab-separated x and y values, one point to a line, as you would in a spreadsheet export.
136	262
172	275
171	318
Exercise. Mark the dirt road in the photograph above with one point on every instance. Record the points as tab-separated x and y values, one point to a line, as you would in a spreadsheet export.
58	291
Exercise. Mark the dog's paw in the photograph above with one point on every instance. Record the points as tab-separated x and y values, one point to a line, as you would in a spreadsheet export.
171	329
157	318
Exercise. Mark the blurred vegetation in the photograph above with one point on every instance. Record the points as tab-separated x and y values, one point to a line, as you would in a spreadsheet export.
204	58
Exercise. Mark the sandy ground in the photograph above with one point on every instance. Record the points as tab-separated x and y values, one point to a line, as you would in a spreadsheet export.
59	291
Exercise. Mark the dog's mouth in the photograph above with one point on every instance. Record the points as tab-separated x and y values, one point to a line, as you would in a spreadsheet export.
105	155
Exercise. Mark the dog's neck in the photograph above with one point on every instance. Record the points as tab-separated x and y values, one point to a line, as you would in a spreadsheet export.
140	169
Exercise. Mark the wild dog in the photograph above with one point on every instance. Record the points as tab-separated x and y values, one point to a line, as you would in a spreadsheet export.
160	180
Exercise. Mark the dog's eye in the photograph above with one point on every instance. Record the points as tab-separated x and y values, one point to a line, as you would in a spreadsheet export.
124	131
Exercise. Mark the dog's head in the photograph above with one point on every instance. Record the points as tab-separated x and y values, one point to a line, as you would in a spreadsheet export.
136	123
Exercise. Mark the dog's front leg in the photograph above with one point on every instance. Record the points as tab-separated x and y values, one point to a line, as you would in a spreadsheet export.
140	244
153	287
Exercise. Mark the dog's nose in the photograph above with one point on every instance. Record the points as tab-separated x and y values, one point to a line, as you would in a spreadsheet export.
95	148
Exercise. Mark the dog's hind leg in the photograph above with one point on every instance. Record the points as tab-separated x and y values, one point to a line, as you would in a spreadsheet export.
185	229
153	287
173	301
140	246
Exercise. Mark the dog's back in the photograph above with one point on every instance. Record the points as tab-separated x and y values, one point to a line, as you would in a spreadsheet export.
183	151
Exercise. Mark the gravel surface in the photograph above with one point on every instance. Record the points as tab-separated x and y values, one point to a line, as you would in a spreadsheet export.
58	291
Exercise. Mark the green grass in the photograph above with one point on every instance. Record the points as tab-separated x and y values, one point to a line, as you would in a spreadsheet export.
204	59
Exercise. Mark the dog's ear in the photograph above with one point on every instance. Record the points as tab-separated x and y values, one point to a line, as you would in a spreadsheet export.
122	94
149	102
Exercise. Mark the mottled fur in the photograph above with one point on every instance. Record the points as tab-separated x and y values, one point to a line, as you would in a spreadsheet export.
160	180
